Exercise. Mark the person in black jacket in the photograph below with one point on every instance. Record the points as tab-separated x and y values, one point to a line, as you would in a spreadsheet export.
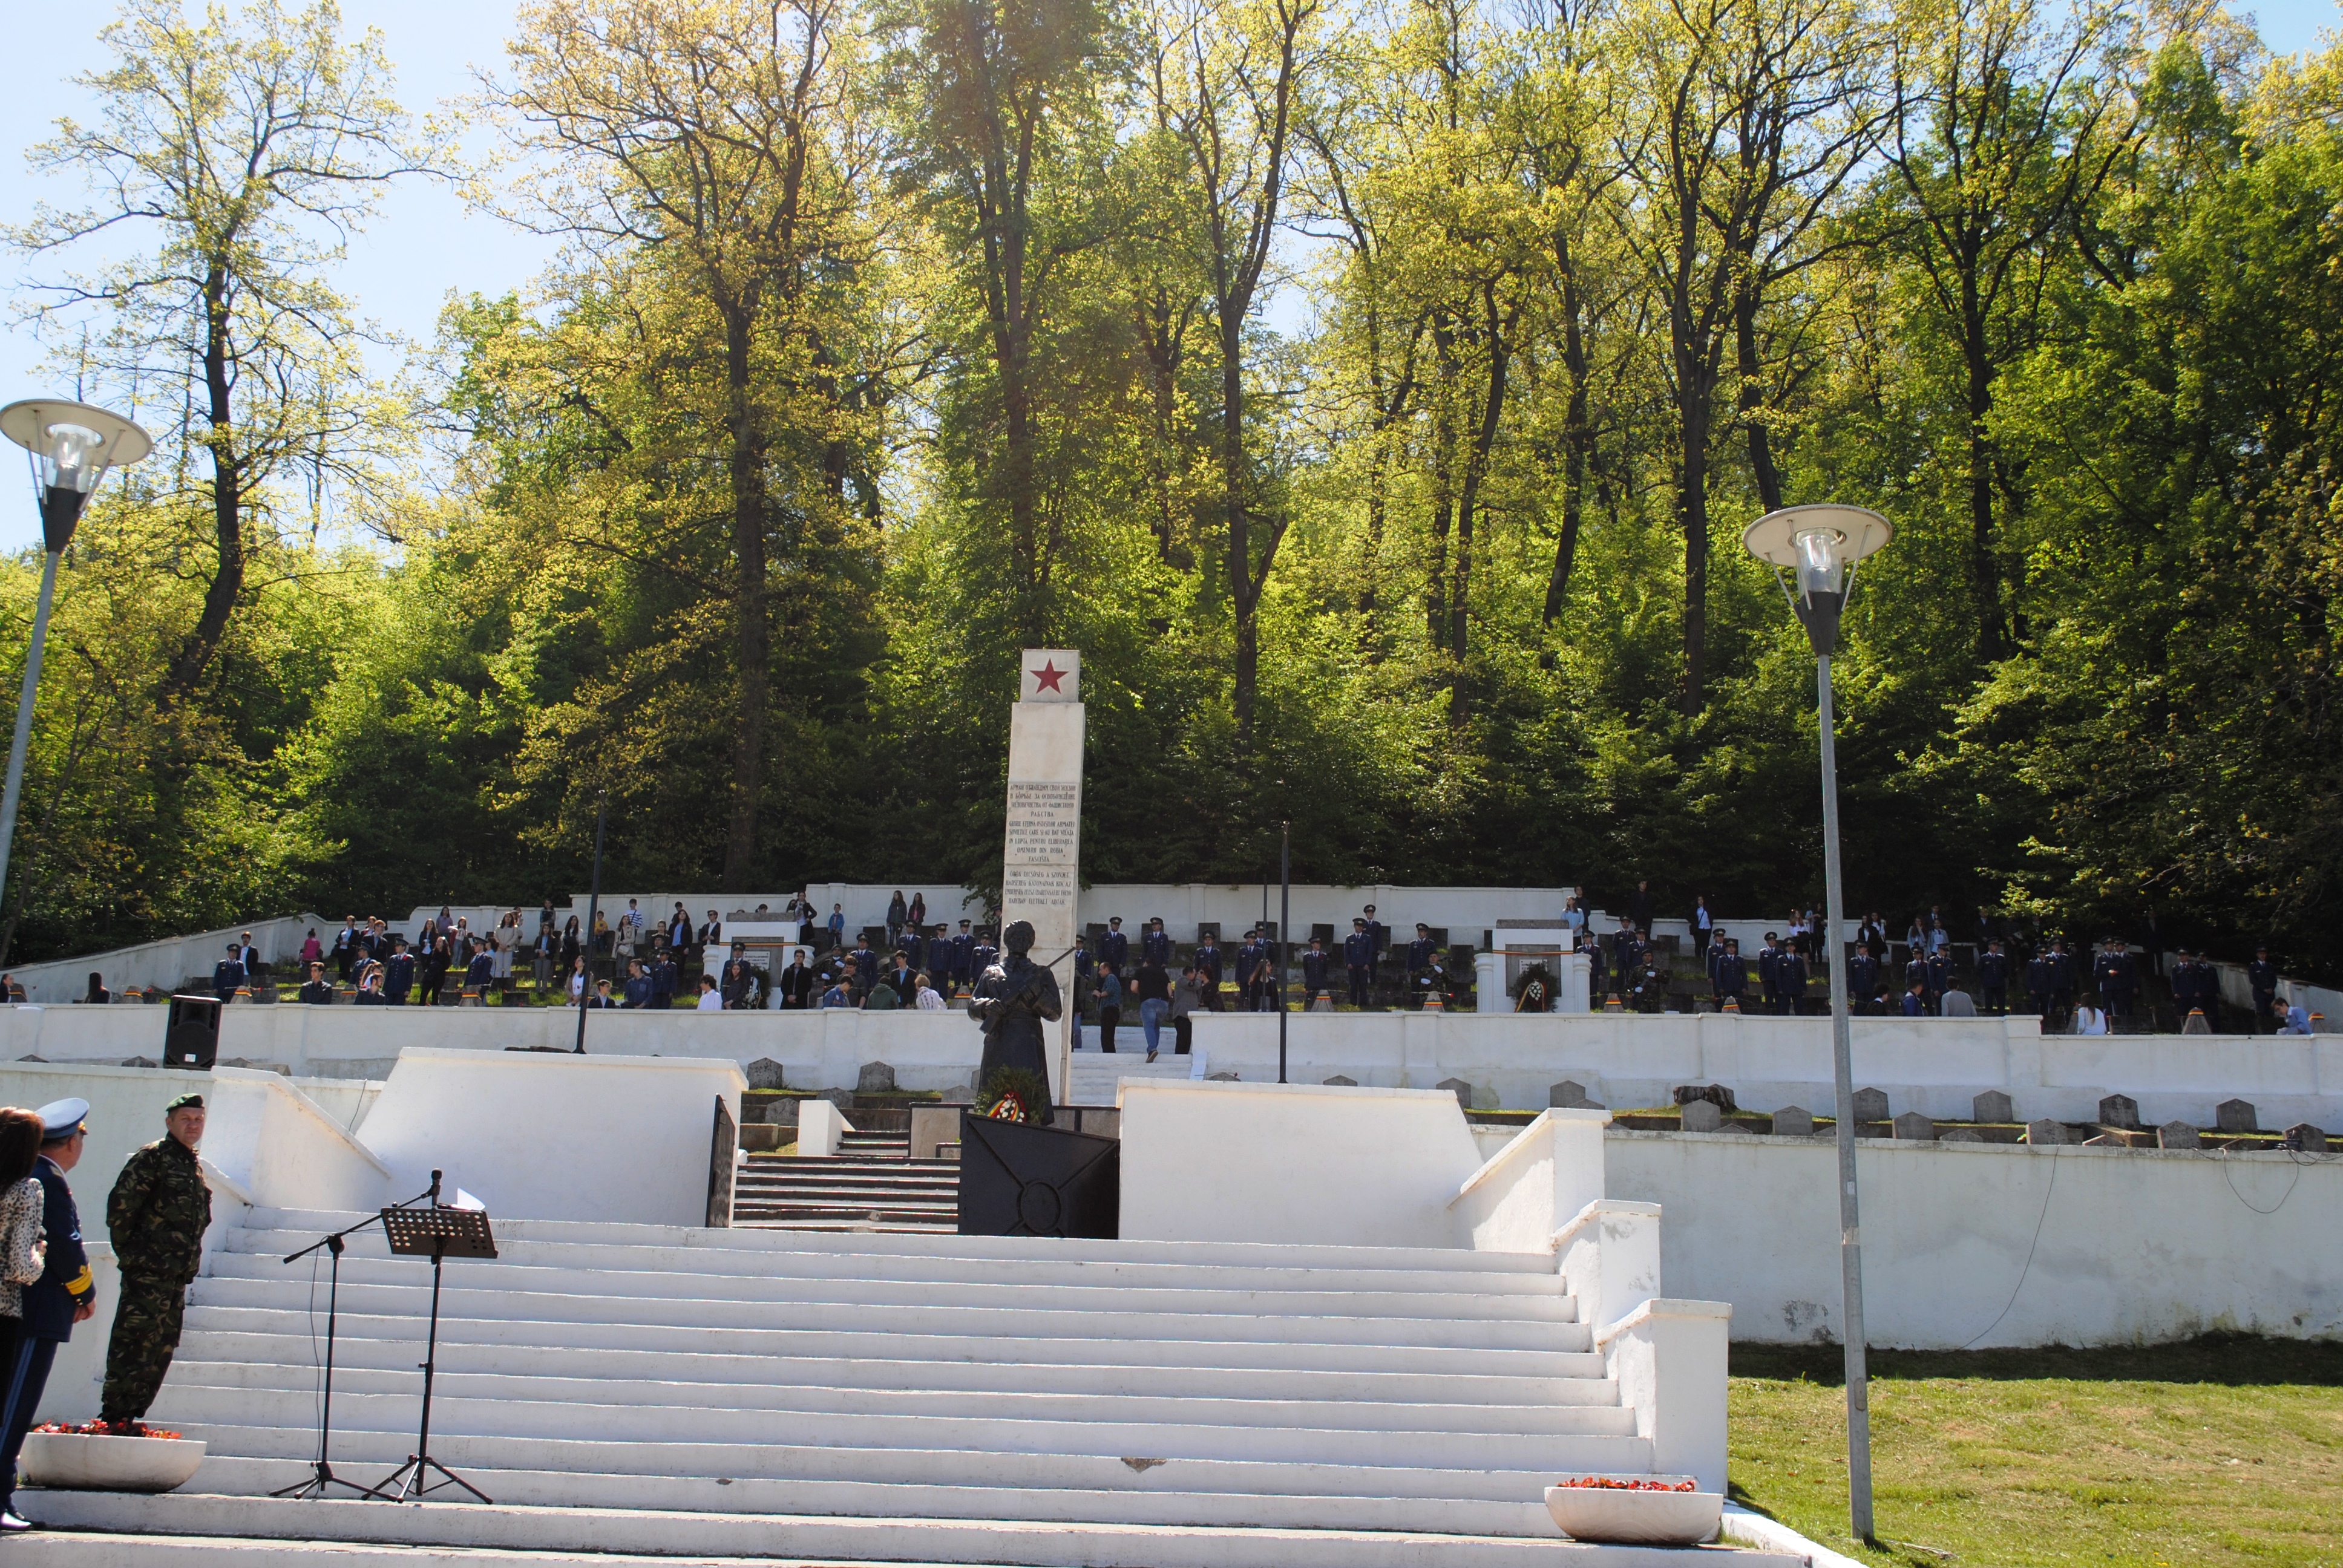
1358	959
938	958
796	983
63	1296
1993	978
1114	948
1155	944
1317	966
2261	977
314	990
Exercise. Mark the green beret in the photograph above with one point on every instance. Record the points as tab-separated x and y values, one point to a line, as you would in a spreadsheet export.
185	1102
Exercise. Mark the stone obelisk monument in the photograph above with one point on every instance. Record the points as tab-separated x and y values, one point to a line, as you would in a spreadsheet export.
1041	859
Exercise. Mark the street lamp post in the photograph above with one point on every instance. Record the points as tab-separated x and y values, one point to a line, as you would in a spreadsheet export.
1821	547
71	446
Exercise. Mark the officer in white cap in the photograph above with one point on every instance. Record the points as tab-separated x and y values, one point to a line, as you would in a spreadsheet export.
62	1297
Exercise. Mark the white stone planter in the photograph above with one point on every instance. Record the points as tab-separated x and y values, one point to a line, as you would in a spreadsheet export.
1636	1518
95	1463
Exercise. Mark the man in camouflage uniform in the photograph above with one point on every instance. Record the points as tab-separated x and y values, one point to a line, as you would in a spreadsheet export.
158	1214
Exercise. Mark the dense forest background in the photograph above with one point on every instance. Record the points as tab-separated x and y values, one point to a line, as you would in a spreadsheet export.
1373	393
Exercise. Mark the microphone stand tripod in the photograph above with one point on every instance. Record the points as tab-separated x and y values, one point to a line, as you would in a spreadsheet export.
322	1476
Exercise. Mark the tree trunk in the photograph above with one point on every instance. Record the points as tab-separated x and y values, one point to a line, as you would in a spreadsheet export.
752	643
1692	510
196	653
1985	568
1753	401
1577	439
1435	587
1485	440
1232	480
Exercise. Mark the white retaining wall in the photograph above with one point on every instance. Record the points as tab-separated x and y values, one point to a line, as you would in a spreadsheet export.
2133	1245
612	1138
1625	1060
169	963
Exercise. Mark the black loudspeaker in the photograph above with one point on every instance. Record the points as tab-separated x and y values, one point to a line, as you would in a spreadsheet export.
1019	1180
191	1034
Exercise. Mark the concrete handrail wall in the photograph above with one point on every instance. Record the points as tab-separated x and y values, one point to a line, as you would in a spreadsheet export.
1515	1202
1668	1357
170	962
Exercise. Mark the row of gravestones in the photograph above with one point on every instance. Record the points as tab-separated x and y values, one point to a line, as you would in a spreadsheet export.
1704	1107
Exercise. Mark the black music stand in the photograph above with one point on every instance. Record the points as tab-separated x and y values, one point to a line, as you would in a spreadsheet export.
438	1234
322	1476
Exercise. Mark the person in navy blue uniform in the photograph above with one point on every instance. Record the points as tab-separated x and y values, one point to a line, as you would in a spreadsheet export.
1207	972
2261	977
1316	967
963	958
1769	973
866	965
229	975
1730	977
1940	978
480	973
1710	957
398	974
2061	968
1790	980
63	1296
1420	953
665	977
982	954
1377	933
1114	948
938	958
1359	959
1862	977
1993	978
1155	943
1915	1000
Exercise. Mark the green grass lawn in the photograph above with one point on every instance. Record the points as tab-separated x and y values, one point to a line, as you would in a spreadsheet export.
2217	1450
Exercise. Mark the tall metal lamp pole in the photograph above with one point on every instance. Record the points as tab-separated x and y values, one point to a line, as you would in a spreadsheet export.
1821	546
593	912
71	446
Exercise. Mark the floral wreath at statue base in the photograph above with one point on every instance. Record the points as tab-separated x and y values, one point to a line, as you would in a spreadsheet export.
1012	1094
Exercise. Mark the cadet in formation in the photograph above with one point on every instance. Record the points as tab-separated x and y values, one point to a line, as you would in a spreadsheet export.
157	1214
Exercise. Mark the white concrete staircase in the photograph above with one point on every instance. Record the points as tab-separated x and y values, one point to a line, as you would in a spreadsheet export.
680	1393
1096	1074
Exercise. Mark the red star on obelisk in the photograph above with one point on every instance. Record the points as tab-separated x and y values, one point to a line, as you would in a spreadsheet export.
1046	678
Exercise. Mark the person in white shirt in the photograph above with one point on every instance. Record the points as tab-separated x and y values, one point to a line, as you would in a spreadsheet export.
710	998
2089	1020
929	1000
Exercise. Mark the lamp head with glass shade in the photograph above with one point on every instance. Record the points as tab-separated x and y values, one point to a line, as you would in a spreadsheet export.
1819	546
72	446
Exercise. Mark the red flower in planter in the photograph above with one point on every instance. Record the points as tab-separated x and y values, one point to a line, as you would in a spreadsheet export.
107	1429
1605	1483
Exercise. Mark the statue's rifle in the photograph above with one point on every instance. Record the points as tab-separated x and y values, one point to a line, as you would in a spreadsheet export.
1031	978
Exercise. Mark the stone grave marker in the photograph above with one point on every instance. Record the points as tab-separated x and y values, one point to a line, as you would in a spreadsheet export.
2235	1116
841	1098
1716	1094
1462	1089
959	1094
876	1078
1701	1116
1960	1135
1912	1127
1340	1081
1569	1092
1992	1105
1794	1121
1871	1105
2178	1135
2119	1110
2042	1131
1232	1078
764	1073
2303	1137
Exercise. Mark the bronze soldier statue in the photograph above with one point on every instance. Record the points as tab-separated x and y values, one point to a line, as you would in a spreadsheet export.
1012	999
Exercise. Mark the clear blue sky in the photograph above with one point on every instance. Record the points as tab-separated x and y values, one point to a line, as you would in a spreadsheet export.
424	244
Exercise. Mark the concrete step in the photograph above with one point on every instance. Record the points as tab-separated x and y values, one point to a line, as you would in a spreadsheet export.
360	1534
289	1355
1186	1435
524	1278
979	1259
994	1319
1097	1470
862	1256
862	1341
591	1386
